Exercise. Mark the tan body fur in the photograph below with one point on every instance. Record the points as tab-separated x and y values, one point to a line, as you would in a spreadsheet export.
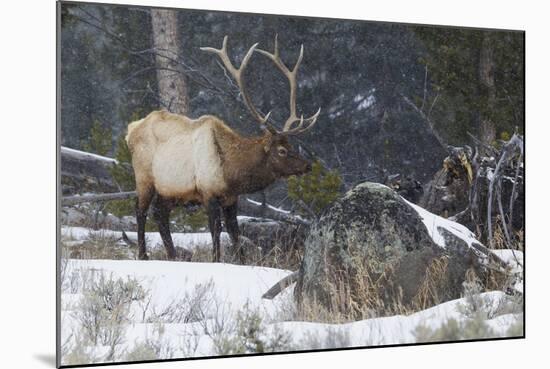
192	160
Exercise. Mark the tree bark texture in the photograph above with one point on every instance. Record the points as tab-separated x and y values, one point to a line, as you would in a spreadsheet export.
172	86
487	77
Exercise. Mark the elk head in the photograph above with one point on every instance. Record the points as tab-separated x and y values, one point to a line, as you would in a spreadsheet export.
281	158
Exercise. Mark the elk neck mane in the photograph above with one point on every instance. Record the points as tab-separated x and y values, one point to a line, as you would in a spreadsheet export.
244	160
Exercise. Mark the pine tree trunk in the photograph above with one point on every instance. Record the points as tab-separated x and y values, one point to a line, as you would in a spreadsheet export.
487	76
172	86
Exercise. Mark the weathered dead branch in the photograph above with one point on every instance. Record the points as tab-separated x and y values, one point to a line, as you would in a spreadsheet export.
79	199
280	286
515	144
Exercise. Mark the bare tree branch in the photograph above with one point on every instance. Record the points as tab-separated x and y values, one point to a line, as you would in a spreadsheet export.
427	119
425	88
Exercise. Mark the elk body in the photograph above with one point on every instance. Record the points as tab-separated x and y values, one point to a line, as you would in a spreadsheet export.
177	159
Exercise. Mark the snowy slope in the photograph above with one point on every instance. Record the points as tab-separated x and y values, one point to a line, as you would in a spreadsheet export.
400	328
233	288
239	288
434	222
233	284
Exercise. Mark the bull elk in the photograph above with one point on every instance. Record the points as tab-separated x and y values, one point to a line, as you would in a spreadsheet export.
177	159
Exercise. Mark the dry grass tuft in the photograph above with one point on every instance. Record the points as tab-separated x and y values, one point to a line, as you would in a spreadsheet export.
434	282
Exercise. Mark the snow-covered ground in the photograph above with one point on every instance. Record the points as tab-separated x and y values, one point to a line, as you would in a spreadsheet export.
197	309
225	291
216	292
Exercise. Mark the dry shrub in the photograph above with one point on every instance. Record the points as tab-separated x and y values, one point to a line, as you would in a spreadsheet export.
476	309
357	293
280	257
103	315
496	278
333	337
453	330
248	333
98	245
159	253
188	309
499	237
78	352
434	282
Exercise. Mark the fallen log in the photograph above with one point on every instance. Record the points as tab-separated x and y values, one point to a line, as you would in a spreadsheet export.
86	172
246	206
78	199
280	286
256	209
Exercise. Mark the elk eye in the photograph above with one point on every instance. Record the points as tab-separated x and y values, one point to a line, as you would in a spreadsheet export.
282	151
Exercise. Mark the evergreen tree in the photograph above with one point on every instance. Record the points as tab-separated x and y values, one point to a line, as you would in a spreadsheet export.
99	140
477	77
314	191
123	174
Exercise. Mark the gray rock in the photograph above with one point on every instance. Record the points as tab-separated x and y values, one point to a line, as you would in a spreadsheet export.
72	216
86	216
129	223
267	234
111	221
372	254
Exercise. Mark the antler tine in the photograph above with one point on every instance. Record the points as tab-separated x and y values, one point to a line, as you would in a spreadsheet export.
299	61
237	74
310	123
291	76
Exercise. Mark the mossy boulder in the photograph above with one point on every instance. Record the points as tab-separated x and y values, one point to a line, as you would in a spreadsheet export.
372	254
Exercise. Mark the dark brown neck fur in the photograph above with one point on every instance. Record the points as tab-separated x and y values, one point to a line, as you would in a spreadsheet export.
246	169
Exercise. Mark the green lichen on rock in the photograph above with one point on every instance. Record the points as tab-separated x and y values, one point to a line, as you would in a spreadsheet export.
378	220
371	254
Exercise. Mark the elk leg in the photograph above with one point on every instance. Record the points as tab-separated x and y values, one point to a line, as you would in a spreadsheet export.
232	226
161	214
214	223
142	205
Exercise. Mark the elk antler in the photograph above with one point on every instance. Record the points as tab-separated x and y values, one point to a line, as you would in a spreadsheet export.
288	128
237	75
